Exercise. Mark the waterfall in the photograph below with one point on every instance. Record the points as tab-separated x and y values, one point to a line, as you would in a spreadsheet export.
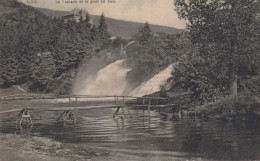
107	81
111	80
153	85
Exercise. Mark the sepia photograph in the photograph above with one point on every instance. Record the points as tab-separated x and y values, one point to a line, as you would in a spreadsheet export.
129	80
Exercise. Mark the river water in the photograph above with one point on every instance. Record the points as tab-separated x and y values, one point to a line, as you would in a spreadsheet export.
159	136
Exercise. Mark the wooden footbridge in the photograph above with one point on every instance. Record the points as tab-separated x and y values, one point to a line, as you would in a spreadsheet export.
117	102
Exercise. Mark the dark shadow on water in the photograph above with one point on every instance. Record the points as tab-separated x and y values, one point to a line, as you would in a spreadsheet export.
23	129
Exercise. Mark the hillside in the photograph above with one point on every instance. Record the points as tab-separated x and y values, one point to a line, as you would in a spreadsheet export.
45	53
38	51
121	28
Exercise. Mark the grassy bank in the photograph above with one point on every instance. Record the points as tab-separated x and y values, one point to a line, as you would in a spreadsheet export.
243	108
31	148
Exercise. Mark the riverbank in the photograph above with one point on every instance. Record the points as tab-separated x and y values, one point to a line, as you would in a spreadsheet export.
245	108
31	148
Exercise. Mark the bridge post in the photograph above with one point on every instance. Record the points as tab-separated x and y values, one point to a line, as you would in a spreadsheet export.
67	115
114	115
149	106
122	107
116	100
24	115
143	105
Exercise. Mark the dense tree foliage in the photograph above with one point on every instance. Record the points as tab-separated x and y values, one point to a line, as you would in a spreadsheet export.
43	70
103	33
224	36
144	33
26	33
152	53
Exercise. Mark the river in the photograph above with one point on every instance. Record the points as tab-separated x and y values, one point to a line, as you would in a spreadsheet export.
160	136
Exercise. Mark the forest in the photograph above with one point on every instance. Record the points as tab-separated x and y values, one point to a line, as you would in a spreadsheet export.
42	52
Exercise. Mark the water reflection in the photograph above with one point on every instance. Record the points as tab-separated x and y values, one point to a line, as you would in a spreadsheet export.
158	134
23	129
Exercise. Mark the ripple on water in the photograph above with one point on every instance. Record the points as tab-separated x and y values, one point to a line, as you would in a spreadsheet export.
158	134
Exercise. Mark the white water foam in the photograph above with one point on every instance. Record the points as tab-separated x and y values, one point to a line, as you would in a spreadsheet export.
154	84
108	81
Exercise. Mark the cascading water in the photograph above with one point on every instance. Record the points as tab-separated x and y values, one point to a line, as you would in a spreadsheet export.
107	81
154	84
111	80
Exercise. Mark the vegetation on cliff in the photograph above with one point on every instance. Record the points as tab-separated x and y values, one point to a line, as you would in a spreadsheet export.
43	51
152	53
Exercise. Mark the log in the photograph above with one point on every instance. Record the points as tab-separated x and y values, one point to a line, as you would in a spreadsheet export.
8	111
81	108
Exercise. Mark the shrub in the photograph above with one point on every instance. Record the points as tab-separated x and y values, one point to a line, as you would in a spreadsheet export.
243	108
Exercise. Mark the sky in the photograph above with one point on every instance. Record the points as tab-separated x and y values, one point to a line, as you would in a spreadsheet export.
159	12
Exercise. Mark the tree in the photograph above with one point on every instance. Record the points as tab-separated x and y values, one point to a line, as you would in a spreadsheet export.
93	33
13	55
102	30
144	33
87	21
81	19
43	72
220	29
